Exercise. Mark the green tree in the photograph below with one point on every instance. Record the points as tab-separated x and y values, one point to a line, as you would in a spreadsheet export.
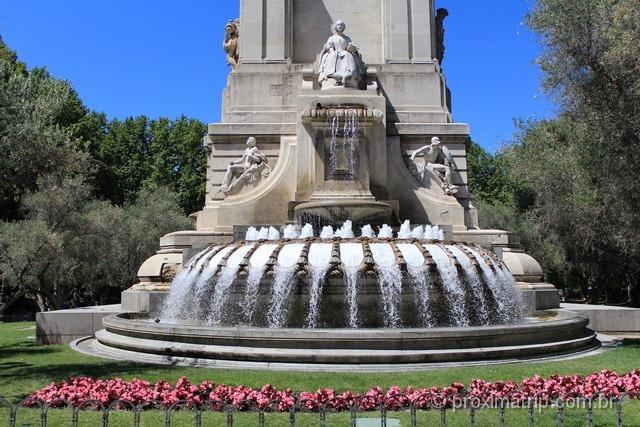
123	159
179	159
583	168
33	141
73	250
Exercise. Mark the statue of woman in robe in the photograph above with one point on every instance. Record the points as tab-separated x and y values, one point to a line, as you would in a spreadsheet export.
340	59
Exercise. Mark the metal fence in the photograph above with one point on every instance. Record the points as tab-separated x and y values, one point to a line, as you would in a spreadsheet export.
467	410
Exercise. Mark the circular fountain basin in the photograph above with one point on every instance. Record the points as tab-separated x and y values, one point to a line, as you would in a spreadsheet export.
336	212
548	334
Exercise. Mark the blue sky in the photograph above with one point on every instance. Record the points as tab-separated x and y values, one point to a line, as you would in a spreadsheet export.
164	58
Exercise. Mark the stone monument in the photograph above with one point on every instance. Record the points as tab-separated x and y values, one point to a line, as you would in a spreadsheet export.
336	137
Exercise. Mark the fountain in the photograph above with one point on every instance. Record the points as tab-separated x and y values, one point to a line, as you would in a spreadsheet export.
300	259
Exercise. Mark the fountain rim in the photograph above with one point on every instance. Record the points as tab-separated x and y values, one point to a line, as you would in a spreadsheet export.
140	323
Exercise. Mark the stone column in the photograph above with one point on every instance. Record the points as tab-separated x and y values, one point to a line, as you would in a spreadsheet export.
409	36
265	31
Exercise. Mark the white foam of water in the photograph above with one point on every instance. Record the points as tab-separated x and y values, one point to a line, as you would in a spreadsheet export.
504	305
263	234
440	234
320	254
181	286
405	230
390	282
257	267
351	254
453	291
223	284
289	254
327	232
346	231
383	254
307	231
274	234
411	254
198	257
472	278
251	234
418	232
367	231
319	259
511	290
351	281
278	305
290	232
421	280
385	232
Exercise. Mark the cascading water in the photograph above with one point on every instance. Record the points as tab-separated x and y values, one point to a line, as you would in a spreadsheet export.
319	258
420	279
283	284
223	284
344	131
454	293
182	285
257	267
206	293
390	282
474	282
352	256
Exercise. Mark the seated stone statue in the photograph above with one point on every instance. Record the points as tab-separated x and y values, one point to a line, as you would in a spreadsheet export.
340	59
251	168
437	159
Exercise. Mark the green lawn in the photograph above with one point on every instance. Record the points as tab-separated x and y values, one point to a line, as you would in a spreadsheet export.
24	367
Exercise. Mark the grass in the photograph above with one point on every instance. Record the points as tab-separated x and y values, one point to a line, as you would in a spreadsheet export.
25	367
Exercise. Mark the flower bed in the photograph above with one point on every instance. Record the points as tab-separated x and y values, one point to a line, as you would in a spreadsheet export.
79	391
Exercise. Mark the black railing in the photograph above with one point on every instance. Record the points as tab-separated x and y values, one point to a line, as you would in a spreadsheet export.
30	413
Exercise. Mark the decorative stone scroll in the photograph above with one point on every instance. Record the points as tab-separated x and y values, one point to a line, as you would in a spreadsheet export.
438	165
230	45
248	171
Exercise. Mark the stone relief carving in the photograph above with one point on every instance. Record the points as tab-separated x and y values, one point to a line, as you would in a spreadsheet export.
438	164
230	45
441	15
247	171
340	60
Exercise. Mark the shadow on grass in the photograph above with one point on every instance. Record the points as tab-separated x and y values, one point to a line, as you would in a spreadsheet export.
16	351
631	342
58	371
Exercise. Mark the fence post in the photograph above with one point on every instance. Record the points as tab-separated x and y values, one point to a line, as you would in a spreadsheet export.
323	417
198	417
354	416
618	403
230	416
501	413
532	418
414	415
136	415
560	413
261	418
105	417
443	417
590	412
383	416
292	417
472	415
75	413
43	416
167	416
12	415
